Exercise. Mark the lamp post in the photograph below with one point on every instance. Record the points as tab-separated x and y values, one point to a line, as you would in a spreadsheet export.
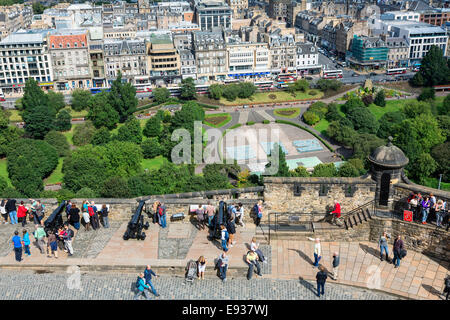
440	179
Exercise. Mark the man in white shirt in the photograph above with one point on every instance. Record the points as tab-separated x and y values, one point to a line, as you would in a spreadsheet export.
317	251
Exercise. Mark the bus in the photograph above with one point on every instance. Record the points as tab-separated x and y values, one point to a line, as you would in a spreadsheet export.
202	89
332	74
174	91
286	78
2	95
96	90
142	87
264	85
395	71
227	81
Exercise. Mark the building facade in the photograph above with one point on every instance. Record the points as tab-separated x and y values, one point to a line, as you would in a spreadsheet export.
163	60
307	60
212	14
369	52
210	56
248	60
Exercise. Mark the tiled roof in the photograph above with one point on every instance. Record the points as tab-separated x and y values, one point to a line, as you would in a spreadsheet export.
68	41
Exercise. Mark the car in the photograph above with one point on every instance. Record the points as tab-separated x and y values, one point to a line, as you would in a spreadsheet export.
354	74
373	74
245	106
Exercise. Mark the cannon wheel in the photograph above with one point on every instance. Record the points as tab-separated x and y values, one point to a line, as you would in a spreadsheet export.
143	236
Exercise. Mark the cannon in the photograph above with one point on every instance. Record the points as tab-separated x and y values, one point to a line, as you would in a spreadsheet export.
219	218
54	221
136	225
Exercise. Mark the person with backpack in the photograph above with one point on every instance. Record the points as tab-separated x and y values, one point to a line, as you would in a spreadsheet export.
22	213
162	215
252	261
148	273
321	278
67	237
224	237
91	217
26	242
104	213
398	248
141	286
52	245
39	235
17	246
11	210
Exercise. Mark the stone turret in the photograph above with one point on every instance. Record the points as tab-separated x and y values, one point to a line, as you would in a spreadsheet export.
387	167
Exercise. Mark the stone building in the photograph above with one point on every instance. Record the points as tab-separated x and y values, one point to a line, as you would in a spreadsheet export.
248	60
212	14
96	56
238	7
163	59
398	53
210	55
127	56
369	52
307	61
70	59
183	43
345	30
282	53
293	8
13	18
278	9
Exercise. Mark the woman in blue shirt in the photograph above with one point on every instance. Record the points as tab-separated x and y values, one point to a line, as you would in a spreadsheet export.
26	242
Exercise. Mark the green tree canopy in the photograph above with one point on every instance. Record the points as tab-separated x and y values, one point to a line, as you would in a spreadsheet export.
363	120
433	69
283	168
59	142
115	187
63	120
122	98
131	131
215	91
387	122
39	121
80	99
101	113
101	136
151	148
153	127
380	99
188	89
352	104
82	133
300	171
161	95
325	170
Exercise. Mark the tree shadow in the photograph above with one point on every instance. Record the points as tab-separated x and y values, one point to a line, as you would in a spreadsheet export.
369	250
432	290
303	256
307	285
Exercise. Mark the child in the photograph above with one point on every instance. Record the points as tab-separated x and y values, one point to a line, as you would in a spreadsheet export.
26	242
86	217
201	267
52	245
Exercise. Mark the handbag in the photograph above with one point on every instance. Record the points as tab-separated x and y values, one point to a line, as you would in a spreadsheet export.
403	253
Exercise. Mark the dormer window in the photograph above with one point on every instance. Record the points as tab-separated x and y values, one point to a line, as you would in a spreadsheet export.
53	45
68	45
60	45
75	44
82	44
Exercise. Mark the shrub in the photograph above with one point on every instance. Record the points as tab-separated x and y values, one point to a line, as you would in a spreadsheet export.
115	187
367	99
380	99
86	193
151	148
348	170
427	94
59	142
313	92
249	123
352	104
325	170
311	118
266	121
320	108
82	134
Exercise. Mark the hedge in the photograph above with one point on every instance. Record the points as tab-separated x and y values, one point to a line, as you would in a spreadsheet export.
308	130
266	121
250	123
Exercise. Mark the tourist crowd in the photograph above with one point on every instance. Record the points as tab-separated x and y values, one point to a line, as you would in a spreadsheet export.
427	208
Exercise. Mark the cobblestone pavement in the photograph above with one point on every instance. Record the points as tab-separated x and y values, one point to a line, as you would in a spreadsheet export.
28	285
6	234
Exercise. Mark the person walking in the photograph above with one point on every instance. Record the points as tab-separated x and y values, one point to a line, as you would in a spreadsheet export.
425	209
17	246
201	265
104	213
259	212
231	226
252	261
321	278
74	216
39	236
141	286
254	246
200	217
210	211
336	211
40	210
26	242
398	247
11	210
67	237
383	244
240	215
22	214
447	287
336	261
148	273
224	237
222	264
52	245
317	251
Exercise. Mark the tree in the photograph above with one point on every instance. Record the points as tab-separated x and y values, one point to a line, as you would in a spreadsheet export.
301	85
246	90
445	109
122	98
151	148
367	99
8	133
63	121
427	94
320	108
433	69
161	95
444	125
380	99
414	108
80	99
39	121
427	131
387	122
101	136
56	100
115	187
364	144
26	180
363	120
131	131
153	127
359	165
33	96
424	167
188	89
82	133
324	170
86	193
101	113
333	113
38	8
230	92
311	118
341	133
351	104
300	171
3	184
283	168
185	117
441	154
59	142
326	85
215	91
348	170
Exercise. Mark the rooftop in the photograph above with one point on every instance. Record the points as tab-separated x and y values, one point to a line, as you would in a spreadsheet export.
27	36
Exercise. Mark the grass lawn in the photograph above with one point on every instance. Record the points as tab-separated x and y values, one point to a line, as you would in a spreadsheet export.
15	116
322	126
434	182
217	120
4	172
153	164
288	112
69	134
56	175
280	96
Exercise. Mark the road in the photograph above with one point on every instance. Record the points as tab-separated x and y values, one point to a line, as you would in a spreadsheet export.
26	285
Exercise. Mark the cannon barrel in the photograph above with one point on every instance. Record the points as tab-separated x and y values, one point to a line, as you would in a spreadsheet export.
55	219
136	224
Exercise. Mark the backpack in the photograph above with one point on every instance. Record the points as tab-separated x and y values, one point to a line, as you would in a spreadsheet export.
91	211
255	209
403	253
70	233
137	283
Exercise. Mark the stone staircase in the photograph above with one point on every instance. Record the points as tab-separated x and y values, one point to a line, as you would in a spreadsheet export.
357	217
